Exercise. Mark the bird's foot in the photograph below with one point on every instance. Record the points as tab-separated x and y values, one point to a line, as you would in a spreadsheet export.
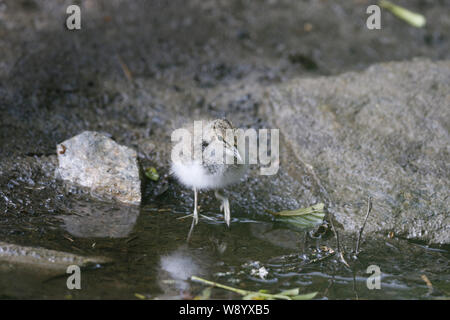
195	206
224	206
226	211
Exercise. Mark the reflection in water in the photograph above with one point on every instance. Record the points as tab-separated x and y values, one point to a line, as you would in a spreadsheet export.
284	238
176	269
100	220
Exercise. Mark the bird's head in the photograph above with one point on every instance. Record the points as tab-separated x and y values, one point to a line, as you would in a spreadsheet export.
219	143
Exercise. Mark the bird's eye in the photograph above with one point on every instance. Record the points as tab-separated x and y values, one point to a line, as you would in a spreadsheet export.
220	138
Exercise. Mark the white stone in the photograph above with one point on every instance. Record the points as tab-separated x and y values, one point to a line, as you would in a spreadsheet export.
93	160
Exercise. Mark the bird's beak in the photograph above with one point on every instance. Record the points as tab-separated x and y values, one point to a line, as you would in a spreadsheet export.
233	152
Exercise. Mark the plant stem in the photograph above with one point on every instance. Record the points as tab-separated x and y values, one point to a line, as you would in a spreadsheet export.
240	291
414	19
215	284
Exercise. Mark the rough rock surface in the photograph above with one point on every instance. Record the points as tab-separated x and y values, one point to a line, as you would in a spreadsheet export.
382	133
93	160
50	260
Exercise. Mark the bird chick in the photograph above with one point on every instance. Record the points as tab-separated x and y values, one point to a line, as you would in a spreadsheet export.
215	163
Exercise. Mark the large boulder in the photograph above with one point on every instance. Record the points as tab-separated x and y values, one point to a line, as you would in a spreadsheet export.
382	133
94	160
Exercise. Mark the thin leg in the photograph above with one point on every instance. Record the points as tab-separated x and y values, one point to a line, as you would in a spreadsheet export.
195	206
190	231
225	206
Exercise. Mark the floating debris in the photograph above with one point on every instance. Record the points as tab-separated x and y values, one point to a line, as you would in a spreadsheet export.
140	296
261	273
428	283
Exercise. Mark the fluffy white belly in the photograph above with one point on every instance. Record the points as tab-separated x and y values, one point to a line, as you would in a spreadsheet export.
194	175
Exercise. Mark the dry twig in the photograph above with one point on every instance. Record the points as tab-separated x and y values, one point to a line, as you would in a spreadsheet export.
428	283
369	209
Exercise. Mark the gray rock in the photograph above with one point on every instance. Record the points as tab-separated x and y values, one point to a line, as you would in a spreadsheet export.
50	261
93	160
384	133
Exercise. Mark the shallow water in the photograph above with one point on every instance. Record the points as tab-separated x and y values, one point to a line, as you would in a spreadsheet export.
152	257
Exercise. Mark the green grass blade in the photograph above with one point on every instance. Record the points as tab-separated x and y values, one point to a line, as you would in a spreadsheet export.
302	218
415	19
307	296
